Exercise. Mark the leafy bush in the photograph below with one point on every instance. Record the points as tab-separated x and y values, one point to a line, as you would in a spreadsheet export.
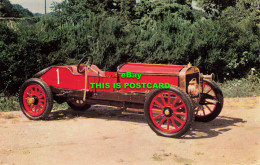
9	103
23	51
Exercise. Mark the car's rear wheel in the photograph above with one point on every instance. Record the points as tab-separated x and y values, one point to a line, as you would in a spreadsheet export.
169	112
211	101
78	105
35	99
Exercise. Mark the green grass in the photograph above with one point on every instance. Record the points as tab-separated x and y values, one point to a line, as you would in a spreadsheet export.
240	88
245	87
9	103
62	106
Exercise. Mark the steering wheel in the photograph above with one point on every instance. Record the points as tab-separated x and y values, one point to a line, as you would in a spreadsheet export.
87	60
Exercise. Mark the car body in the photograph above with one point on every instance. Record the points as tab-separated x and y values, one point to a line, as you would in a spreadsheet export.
170	96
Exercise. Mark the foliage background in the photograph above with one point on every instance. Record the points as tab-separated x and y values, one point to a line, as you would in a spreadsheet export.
223	38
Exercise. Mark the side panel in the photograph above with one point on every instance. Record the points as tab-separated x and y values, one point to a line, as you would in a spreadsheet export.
102	84
62	77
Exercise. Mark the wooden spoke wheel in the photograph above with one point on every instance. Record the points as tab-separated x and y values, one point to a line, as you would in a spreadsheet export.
211	101
35	99
169	112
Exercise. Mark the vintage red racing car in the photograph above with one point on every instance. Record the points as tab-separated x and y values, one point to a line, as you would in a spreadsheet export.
171	96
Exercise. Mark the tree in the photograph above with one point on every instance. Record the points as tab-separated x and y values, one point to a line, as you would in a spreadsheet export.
9	10
213	6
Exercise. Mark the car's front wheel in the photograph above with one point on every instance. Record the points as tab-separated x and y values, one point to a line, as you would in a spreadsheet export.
211	101
169	112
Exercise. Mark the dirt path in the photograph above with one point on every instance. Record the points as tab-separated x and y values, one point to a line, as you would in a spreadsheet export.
103	135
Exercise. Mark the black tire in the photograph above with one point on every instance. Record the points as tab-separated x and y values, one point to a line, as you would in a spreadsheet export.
38	91
169	112
78	105
216	97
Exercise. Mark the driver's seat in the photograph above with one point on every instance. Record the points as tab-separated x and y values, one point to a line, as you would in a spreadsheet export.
95	71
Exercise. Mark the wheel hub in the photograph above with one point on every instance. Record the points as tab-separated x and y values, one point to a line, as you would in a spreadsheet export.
168	111
30	100
33	100
36	100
